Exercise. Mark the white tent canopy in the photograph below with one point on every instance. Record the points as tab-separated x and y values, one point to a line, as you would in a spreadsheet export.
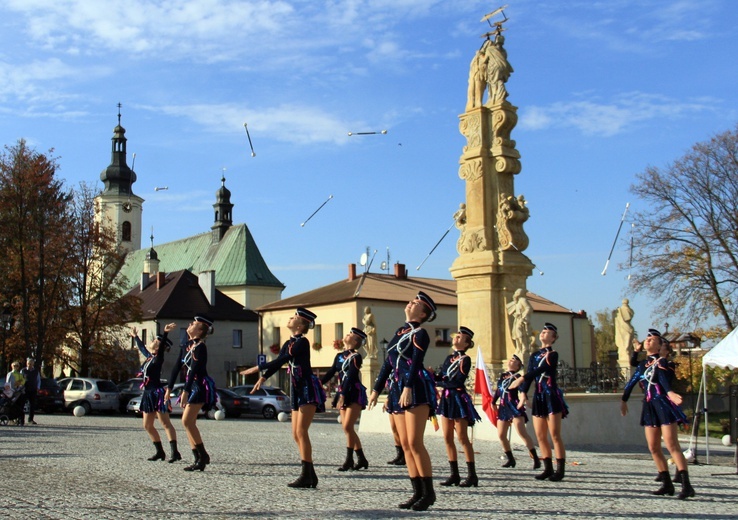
724	354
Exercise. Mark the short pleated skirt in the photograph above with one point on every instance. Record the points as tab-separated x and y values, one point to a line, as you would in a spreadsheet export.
356	394
308	390
509	410
550	401
423	393
661	411
457	404
152	401
203	392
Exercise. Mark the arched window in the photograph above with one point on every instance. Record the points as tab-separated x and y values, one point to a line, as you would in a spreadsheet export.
126	231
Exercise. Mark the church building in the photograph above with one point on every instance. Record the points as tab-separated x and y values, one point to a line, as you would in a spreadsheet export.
220	272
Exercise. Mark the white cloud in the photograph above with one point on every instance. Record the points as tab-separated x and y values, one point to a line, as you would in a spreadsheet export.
287	123
606	119
211	30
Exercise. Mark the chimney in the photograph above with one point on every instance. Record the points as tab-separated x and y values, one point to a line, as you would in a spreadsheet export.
144	281
400	271
160	280
352	272
206	279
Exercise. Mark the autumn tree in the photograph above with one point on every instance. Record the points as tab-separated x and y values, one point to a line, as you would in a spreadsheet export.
685	247
95	310
35	232
604	331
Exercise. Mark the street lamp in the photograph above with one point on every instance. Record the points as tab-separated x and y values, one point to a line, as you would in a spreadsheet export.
384	343
7	321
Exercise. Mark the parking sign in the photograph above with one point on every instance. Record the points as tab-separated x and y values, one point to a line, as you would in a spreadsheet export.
260	359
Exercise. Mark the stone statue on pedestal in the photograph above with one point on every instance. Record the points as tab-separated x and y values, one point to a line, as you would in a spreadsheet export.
624	331
521	310
370	329
489	69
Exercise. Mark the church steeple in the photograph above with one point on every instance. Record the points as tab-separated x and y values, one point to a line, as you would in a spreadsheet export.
117	205
118	177
151	263
223	211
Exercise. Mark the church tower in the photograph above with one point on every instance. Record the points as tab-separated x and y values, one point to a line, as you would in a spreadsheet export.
117	206
223	212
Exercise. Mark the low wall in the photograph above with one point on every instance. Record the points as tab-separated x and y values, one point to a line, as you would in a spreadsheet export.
594	419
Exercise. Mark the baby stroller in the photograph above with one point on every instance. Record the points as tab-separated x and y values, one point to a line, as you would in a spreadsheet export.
11	405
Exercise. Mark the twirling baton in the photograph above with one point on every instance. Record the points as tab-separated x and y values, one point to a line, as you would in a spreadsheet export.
604	271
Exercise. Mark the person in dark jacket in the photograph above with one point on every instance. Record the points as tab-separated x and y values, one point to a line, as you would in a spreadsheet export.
457	409
350	396
308	397
549	407
505	402
411	396
153	403
660	414
199	391
33	384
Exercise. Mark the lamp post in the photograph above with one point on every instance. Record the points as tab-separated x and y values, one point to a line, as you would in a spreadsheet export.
384	343
7	321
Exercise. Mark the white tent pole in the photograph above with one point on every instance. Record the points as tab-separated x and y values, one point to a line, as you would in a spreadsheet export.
703	384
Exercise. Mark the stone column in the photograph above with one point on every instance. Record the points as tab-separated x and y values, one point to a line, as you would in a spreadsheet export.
490	266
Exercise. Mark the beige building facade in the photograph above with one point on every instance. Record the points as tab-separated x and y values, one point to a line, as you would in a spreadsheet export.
341	305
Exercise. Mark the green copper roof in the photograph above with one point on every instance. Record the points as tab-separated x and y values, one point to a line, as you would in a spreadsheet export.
235	259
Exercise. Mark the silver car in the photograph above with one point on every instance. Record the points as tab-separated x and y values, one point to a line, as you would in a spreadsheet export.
267	401
134	405
89	393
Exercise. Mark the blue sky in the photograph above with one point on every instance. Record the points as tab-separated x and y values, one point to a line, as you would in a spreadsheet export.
604	89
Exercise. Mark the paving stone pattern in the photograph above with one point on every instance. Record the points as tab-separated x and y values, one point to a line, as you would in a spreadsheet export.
95	467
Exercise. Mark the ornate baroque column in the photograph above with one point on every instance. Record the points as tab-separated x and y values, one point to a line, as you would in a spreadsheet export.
490	266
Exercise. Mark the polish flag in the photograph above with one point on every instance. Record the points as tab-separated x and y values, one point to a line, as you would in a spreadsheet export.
483	386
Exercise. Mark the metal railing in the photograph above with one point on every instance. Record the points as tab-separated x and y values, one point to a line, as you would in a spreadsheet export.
595	379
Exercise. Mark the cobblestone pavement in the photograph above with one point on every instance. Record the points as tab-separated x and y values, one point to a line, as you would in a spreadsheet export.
95	467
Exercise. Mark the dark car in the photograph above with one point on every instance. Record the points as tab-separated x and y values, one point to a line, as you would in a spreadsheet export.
50	397
233	404
130	389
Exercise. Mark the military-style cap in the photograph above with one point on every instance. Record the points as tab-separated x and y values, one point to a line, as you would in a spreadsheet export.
550	326
467	331
202	318
359	333
428	302
307	316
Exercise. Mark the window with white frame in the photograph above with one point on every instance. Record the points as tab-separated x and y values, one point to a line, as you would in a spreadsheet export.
237	338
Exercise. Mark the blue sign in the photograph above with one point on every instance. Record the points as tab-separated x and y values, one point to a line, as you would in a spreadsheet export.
261	359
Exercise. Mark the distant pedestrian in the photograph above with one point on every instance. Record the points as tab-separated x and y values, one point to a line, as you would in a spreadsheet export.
351	396
457	409
33	385
199	391
549	407
308	397
660	415
18	386
153	402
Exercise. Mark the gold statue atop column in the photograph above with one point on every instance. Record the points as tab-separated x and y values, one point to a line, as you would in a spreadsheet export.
491	265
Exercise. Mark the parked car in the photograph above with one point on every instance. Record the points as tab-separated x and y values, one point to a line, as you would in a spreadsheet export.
267	401
233	404
50	397
90	394
130	389
134	405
